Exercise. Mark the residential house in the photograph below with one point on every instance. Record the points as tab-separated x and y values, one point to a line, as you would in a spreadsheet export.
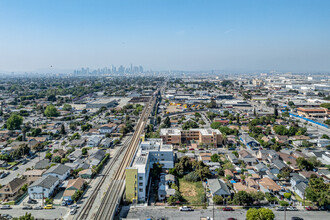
60	171
43	188
33	175
107	142
86	174
282	139
218	187
95	156
232	158
93	141
107	128
268	185
13	189
164	187
241	187
75	155
279	164
261	168
205	157
300	189
296	179
73	186
289	160
249	142
247	158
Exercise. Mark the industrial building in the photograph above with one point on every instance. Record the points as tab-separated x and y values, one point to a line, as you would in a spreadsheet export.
108	103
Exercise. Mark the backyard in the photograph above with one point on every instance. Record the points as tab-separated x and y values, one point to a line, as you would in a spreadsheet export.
192	192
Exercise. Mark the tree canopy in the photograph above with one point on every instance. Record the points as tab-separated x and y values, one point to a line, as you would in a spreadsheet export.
51	111
14	122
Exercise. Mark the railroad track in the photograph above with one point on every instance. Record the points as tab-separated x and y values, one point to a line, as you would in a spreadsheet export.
112	198
83	214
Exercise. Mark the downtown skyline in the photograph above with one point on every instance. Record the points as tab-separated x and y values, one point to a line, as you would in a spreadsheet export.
228	36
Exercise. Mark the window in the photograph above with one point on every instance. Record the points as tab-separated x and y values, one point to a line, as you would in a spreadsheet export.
140	190
44	189
140	184
31	189
141	178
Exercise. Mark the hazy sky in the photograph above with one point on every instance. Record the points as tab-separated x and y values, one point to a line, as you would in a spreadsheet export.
251	35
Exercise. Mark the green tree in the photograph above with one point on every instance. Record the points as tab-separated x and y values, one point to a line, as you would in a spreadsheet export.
67	107
242	198
63	129
215	158
318	191
48	155
215	125
287	195
260	214
51	111
27	216
167	122
252	214
56	159
84	151
266	214
217	199
14	122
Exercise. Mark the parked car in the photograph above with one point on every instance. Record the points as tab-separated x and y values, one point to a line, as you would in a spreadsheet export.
28	207
280	208
15	168
48	206
74	206
227	209
37	208
73	211
64	203
32	201
6	216
292	208
5	207
186	208
309	208
296	218
231	218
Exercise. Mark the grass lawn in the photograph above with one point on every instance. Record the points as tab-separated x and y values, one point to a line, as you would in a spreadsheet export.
307	202
12	163
191	191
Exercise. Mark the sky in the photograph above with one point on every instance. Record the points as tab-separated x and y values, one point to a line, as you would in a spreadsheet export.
228	35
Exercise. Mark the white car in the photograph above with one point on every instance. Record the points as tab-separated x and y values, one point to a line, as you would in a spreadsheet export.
186	208
73	211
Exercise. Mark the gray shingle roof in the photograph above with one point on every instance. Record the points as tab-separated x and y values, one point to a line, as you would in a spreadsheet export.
42	164
45	182
58	169
279	164
301	186
216	185
296	177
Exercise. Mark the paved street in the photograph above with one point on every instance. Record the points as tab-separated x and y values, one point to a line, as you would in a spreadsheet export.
174	214
55	213
21	169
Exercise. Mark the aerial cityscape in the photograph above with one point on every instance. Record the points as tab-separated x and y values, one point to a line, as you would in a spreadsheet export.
164	110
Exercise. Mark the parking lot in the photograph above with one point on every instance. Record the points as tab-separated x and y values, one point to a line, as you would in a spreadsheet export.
172	214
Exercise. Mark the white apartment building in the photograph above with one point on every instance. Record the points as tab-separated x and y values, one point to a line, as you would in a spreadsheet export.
137	176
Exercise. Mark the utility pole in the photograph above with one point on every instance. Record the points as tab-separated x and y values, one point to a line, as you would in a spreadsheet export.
213	210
